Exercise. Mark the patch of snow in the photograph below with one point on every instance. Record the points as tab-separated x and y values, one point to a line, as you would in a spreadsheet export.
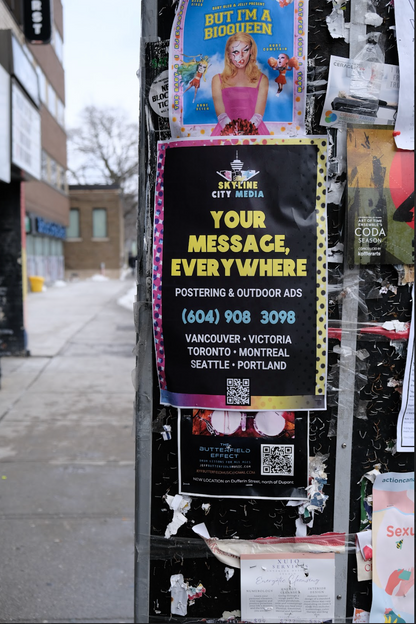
128	300
125	272
99	278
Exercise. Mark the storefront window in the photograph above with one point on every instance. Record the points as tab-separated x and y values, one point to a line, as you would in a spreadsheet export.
46	246
38	245
28	224
30	247
54	247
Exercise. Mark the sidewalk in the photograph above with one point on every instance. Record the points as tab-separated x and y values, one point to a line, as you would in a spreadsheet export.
67	460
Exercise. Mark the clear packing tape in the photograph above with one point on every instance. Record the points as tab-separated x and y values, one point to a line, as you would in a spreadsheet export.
228	551
230	617
177	550
369	287
394	333
372	331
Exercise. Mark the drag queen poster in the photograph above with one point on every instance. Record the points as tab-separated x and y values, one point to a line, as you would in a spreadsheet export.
238	68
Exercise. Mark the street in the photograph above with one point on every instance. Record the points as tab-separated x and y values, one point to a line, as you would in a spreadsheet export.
67	459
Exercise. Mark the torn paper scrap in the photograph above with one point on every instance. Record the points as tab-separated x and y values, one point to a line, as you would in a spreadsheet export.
373	19
195	592
229	573
167	432
201	530
180	506
364	542
398	326
364	568
178	595
337	27
301	528
230	616
178	502
371	475
360	616
336	253
173	526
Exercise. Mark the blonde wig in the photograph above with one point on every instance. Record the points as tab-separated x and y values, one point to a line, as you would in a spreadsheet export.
251	69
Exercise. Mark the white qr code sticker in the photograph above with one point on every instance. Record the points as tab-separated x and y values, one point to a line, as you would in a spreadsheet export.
277	460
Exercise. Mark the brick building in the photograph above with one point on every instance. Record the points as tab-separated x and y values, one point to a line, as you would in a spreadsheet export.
33	161
95	240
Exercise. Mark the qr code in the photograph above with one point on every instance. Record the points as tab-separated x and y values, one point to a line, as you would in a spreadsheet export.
277	459
238	392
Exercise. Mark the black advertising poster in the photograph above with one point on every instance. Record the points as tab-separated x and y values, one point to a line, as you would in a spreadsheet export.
239	274
243	454
381	200
37	21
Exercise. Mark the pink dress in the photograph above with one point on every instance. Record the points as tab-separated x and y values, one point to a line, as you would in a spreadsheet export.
240	102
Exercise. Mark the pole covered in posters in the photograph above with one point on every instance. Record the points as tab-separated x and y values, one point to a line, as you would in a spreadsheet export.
239	276
355	435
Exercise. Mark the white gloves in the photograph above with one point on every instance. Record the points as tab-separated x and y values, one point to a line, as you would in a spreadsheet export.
256	119
223	120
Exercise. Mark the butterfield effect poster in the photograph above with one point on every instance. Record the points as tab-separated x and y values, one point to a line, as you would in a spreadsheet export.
239	274
243	454
238	68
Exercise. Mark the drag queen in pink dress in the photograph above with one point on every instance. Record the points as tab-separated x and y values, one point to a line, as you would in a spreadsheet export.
240	92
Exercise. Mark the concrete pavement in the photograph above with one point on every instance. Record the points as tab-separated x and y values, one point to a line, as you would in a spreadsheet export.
67	460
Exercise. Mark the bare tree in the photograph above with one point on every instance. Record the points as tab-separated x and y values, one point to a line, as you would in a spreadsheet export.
104	150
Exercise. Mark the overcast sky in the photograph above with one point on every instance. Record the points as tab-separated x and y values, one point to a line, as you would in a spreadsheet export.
101	55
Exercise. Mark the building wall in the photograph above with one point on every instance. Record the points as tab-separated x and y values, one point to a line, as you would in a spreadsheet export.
41	196
46	202
7	22
58	16
86	255
46	198
53	137
47	58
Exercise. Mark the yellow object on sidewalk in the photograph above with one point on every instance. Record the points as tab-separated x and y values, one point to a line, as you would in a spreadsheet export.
36	283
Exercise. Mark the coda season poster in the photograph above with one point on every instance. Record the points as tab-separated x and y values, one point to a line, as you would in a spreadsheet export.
239	274
243	454
381	198
238	68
